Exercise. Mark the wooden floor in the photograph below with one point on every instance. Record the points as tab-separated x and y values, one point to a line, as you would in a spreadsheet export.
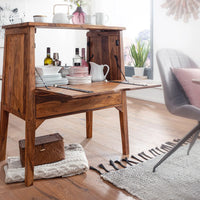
150	124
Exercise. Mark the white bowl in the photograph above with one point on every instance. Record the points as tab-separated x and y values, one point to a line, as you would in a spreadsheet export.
40	18
48	70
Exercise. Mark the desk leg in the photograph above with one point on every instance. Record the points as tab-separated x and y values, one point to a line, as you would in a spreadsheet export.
89	122
124	124
3	133
29	152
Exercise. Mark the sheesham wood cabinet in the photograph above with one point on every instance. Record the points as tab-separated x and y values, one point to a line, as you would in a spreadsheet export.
34	105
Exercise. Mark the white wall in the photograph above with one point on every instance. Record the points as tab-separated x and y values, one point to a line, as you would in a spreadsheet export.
169	33
63	41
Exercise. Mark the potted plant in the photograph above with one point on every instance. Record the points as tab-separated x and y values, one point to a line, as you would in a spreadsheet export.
139	53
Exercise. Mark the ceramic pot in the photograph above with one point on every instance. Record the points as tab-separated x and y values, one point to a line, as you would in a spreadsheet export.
139	71
60	17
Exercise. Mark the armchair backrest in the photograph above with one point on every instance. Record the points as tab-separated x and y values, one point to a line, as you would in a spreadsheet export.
173	92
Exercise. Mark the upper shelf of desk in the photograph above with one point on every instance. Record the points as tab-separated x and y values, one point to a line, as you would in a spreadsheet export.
64	26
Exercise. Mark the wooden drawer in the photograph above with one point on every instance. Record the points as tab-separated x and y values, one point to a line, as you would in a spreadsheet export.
47	107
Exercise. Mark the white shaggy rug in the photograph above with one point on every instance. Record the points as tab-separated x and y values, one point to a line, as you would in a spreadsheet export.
178	178
75	162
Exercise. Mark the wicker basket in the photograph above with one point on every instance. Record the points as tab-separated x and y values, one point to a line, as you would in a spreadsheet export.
48	149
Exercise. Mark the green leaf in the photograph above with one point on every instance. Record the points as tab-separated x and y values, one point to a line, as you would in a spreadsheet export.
139	53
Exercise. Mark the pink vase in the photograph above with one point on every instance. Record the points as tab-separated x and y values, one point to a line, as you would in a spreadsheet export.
78	16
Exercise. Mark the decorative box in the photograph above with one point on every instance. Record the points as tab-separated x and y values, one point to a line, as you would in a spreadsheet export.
48	149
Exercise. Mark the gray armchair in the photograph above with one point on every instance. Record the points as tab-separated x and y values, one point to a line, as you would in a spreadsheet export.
175	99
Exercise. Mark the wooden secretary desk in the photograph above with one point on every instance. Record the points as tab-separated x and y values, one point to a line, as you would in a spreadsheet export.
34	105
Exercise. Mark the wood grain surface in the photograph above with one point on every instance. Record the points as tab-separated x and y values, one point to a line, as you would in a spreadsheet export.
64	26
21	98
45	107
97	88
150	125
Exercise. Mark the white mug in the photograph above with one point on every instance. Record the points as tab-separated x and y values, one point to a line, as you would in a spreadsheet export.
101	18
89	19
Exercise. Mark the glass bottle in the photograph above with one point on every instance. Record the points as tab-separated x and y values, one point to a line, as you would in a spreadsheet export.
84	63
77	58
56	61
48	60
78	16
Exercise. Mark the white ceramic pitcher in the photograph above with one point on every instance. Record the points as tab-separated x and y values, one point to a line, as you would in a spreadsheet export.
97	72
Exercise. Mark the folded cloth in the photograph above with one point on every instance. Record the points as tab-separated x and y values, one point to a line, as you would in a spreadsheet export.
75	162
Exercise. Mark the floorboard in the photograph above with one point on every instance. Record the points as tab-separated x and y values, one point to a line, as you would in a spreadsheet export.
150	125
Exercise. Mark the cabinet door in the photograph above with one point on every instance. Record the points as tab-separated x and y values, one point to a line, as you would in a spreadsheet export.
106	47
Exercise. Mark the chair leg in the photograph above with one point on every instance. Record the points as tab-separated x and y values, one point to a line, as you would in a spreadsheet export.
193	141
192	132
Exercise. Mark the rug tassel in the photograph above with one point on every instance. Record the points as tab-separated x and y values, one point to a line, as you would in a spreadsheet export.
160	150
126	160
102	167
113	165
166	147
171	143
96	170
155	152
152	152
132	156
176	140
163	148
129	161
144	156
118	162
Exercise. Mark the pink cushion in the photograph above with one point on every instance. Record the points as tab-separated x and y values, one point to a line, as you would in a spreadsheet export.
192	90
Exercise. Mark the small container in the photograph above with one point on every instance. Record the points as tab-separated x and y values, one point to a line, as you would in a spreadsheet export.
65	71
40	18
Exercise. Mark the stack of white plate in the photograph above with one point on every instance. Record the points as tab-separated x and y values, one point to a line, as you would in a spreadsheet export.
78	71
50	80
50	75
75	80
